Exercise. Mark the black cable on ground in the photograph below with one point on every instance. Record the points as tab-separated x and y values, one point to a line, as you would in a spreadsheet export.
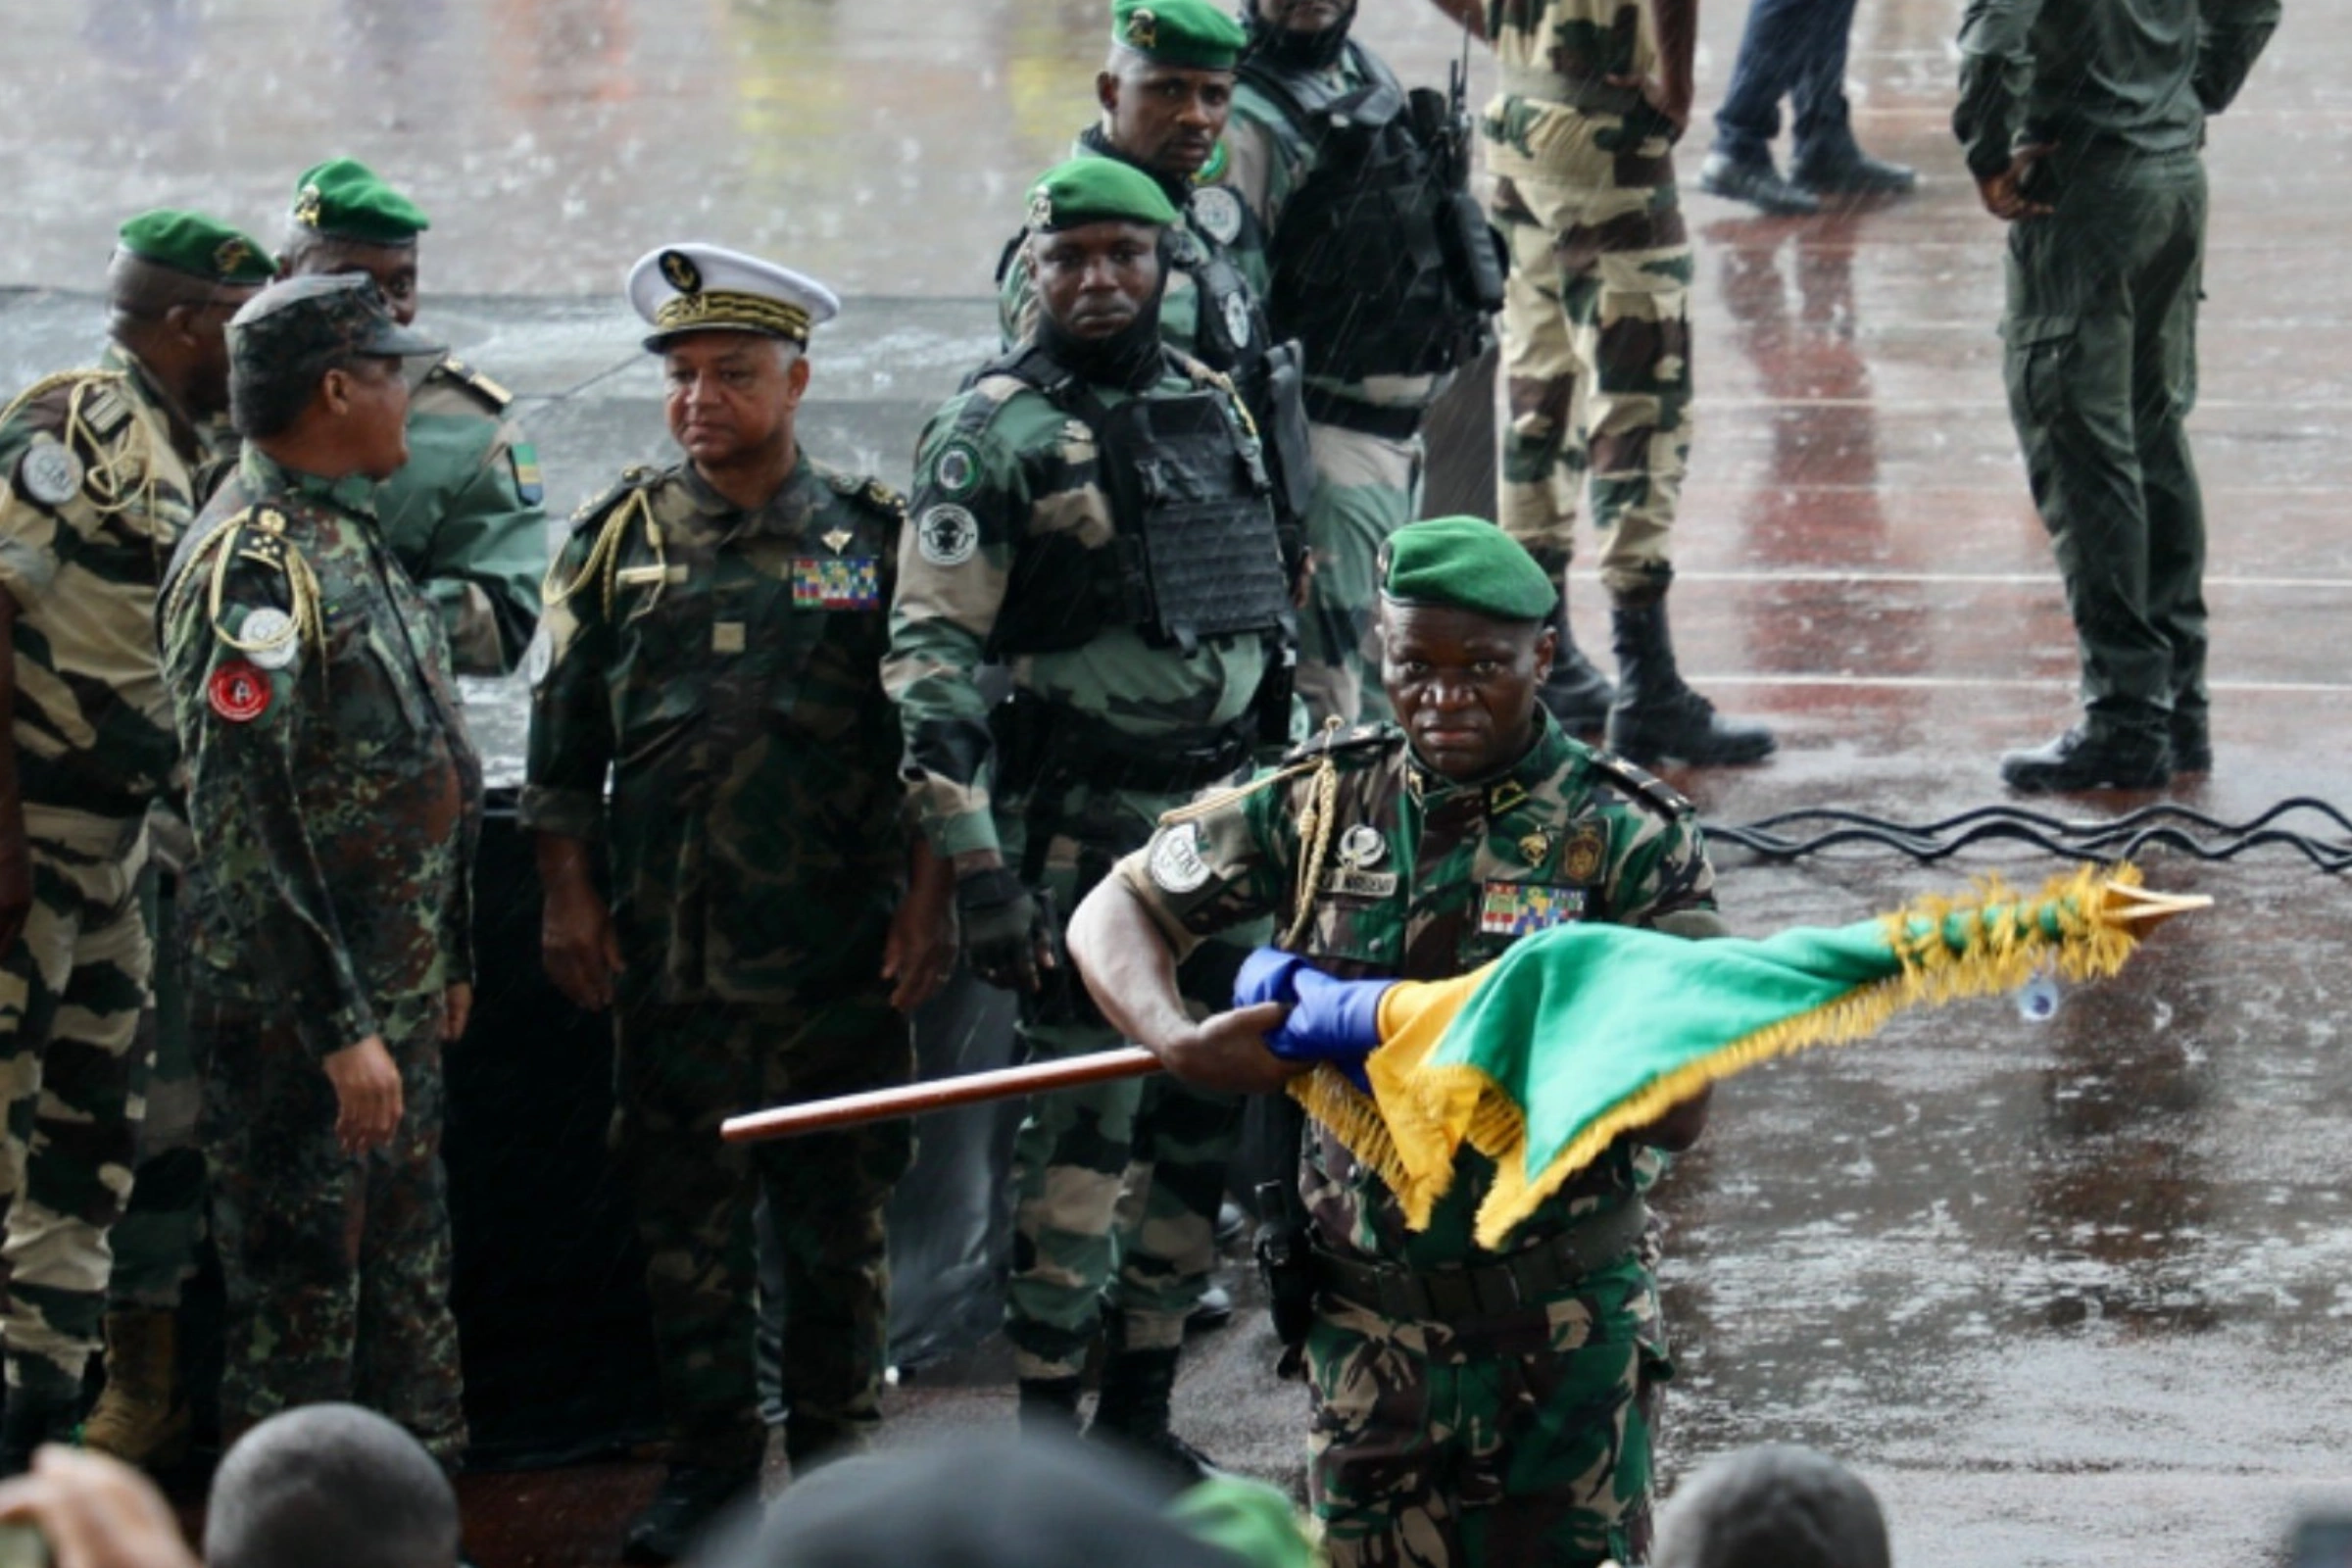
2174	827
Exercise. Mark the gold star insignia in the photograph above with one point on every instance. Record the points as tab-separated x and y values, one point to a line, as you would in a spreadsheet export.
837	539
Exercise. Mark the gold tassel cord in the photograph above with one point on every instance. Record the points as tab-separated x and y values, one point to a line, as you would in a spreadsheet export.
2085	925
305	616
604	557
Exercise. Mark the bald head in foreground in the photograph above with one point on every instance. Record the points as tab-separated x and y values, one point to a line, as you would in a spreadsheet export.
331	1483
1776	1505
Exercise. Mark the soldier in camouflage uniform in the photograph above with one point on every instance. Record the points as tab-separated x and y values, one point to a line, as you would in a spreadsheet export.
1165	93
1471	1406
2084	125
1372	376
99	481
462	517
1596	333
336	805
1094	513
714	643
463	513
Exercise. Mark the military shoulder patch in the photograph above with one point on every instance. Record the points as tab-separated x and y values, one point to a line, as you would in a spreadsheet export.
954	469
465	376
239	690
49	472
1175	859
103	408
529	487
1218	212
948	535
1645	785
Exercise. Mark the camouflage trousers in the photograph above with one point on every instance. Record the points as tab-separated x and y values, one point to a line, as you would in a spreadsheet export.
71	992
2101	364
1366	488
1529	1442
1596	336
155	1242
1117	1186
336	1267
683	1069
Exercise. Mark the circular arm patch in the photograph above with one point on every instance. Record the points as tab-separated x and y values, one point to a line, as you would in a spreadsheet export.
239	690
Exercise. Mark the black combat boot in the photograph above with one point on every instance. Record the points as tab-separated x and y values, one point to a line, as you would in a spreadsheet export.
1133	1409
1576	692
692	1495
1049	1408
2192	739
2092	758
1657	718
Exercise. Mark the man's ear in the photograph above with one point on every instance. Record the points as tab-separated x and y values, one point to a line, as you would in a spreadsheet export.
334	391
1107	91
1547	650
797	379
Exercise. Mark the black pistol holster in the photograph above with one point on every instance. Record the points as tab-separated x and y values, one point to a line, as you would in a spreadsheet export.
1286	1267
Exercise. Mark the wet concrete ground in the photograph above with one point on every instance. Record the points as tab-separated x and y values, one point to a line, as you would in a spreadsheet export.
2070	1292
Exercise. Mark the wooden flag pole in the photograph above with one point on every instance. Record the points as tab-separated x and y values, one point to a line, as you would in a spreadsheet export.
940	1094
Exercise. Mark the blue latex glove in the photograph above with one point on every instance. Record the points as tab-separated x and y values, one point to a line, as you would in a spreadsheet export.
1331	1020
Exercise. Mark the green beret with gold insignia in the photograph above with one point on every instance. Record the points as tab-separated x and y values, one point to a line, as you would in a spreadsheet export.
344	199
1465	563
192	243
1191	34
1097	190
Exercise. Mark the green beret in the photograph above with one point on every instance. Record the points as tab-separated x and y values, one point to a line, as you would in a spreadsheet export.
344	199
192	243
1097	190
1468	563
1192	33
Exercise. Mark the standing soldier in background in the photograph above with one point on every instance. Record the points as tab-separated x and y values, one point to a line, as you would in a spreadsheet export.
1596	337
1377	261
1167	92
98	487
336	803
462	517
2084	122
716	635
463	513
1094	513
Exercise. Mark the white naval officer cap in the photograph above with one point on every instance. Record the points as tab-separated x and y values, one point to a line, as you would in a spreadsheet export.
708	289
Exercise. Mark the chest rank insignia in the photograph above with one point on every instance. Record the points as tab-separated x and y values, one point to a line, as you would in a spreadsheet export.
837	582
1581	861
1362	848
1077	434
1518	909
836	538
1535	848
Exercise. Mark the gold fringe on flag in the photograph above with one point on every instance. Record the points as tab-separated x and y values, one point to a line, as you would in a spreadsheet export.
2082	924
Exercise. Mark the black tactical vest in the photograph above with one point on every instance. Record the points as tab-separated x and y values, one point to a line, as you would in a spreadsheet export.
1382	263
1193	552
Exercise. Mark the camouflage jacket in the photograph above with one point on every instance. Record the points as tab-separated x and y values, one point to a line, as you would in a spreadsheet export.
1583	40
2128	76
98	490
1423	879
723	669
335	797
462	515
1271	154
1000	472
1217	228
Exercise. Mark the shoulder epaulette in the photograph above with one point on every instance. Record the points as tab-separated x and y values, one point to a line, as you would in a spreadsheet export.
607	519
473	380
865	491
55	381
1338	740
1640	782
637	476
257	534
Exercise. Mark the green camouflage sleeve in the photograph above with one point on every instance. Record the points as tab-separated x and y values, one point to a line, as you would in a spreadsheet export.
970	508
483	562
238	726
1224	860
1996	77
571	746
2231	35
28	531
1658	870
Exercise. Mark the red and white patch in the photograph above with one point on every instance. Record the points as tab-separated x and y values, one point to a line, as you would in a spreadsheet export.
240	691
